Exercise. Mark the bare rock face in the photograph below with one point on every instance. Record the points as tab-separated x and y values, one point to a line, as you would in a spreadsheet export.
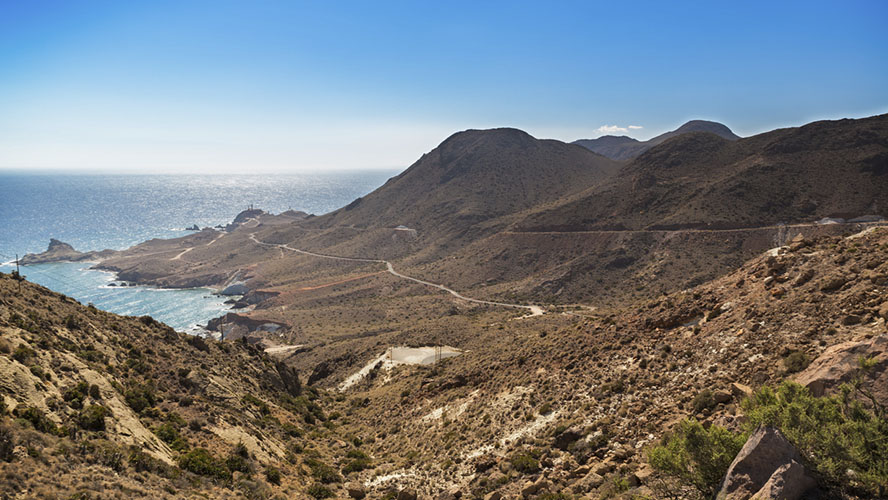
841	363
767	467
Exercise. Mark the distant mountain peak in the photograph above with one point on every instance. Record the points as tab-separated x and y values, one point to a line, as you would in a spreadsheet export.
625	148
707	126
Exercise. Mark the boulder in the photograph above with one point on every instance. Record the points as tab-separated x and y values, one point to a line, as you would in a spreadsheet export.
841	363
356	490
767	460
493	495
407	494
786	481
235	289
289	378
721	396
831	283
740	390
567	438
532	488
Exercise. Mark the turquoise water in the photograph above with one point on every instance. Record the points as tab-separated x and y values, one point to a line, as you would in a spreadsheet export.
94	212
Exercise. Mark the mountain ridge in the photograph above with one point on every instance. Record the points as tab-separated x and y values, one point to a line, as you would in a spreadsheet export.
623	148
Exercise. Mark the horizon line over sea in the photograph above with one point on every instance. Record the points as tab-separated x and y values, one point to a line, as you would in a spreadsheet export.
116	211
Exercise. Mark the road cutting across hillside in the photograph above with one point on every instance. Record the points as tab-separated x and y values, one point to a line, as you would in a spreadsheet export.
534	310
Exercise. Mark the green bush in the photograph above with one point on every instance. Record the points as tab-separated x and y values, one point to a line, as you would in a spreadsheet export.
92	418
140	397
36	418
323	472
23	354
273	475
836	434
201	462
239	459
359	461
7	443
169	434
143	462
319	491
796	362
697	456
525	461
74	396
704	400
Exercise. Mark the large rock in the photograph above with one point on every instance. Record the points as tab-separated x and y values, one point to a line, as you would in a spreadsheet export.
289	378
356	490
239	288
407	494
841	363
767	467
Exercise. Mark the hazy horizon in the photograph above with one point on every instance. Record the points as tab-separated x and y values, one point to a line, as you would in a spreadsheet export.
208	87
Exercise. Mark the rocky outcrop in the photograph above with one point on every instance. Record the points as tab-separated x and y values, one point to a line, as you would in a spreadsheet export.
841	363
767	467
59	251
289	378
239	288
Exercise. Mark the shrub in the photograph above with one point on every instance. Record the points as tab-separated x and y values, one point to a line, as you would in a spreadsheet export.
201	462
273	475
239	459
525	461
92	418
143	462
169	434
36	418
704	400
359	461
7	443
836	434
697	456
796	362
23	354
319	491
323	472
140	397
94	392
74	396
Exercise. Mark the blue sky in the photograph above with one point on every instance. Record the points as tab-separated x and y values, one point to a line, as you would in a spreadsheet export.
252	86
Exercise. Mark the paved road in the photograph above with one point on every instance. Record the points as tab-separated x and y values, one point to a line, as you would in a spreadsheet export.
534	310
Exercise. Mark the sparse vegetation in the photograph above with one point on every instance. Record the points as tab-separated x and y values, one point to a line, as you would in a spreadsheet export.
201	462
696	456
837	434
92	418
796	362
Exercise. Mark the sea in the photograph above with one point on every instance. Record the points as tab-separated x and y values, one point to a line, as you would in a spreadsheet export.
95	212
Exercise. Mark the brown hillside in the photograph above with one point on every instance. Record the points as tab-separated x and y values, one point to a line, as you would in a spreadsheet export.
473	177
827	168
626	148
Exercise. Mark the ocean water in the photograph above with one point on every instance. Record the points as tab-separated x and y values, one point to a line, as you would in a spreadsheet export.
94	212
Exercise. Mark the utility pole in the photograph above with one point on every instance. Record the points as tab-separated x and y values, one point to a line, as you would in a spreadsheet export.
18	274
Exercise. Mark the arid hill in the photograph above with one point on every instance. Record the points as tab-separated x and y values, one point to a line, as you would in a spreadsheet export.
823	169
95	405
626	148
471	178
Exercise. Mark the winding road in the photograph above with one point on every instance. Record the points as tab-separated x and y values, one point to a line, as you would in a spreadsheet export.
534	310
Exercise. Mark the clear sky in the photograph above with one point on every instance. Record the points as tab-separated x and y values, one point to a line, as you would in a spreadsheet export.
254	86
